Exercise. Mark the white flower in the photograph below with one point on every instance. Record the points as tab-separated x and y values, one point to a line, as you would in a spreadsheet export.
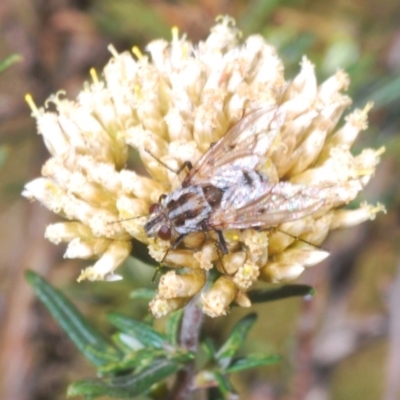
170	106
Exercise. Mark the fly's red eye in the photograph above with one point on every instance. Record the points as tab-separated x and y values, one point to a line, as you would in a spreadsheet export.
164	233
153	208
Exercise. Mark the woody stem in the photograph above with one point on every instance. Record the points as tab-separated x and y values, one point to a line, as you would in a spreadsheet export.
189	339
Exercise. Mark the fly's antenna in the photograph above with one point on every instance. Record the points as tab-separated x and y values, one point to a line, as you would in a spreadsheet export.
127	219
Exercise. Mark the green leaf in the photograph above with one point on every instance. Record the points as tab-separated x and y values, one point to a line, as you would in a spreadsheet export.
209	348
141	359
134	361
278	293
127	386
235	340
172	327
127	343
251	361
94	346
385	91
14	58
140	331
225	386
143	294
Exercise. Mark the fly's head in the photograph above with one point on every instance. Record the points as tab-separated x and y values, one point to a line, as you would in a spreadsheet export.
158	224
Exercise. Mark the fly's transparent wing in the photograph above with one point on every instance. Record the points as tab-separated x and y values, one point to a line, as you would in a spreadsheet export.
263	204
244	146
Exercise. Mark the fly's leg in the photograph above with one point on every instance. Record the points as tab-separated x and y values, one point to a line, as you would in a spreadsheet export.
186	164
222	242
173	247
177	241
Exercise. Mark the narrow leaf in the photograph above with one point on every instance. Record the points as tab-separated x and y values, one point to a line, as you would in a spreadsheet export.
140	331
225	386
94	346
126	343
385	92
134	361
251	361
235	340
278	293
172	327
127	386
209	348
9	61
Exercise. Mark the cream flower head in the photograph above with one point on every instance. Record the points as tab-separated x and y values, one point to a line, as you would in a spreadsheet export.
171	104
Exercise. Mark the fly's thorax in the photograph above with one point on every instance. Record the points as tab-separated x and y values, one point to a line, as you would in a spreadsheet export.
188	208
185	210
213	195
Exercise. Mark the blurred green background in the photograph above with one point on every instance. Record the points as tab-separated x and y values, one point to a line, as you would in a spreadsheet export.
345	342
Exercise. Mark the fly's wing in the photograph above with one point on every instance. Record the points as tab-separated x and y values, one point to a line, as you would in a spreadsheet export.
244	146
263	204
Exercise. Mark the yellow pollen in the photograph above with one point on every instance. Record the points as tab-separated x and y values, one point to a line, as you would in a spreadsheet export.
32	105
231	235
247	270
366	171
138	91
94	76
51	188
136	51
175	33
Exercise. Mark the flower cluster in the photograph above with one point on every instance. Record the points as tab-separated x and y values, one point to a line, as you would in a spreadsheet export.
170	105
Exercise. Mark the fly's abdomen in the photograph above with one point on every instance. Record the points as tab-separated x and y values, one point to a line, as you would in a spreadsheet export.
188	207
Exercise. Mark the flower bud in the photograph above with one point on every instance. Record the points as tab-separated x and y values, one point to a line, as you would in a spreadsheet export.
218	299
185	285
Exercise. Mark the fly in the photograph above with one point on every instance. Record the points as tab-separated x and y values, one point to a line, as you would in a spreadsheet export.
230	187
